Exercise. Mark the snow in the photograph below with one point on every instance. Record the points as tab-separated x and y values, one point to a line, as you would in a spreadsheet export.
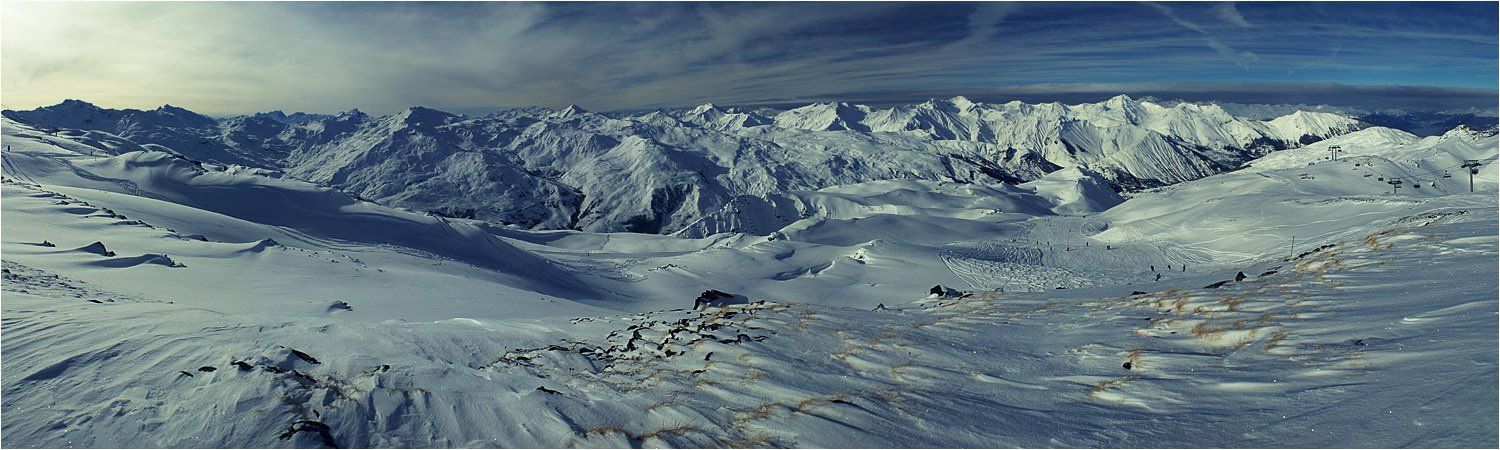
659	172
189	300
1076	191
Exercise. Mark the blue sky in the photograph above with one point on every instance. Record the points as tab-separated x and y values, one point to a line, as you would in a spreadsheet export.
226	58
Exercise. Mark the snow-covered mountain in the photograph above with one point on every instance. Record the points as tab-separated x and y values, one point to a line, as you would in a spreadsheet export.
662	171
260	310
1422	122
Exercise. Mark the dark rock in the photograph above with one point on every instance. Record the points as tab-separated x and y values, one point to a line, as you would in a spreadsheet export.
549	391
1128	365
96	248
1239	277
207	369
311	426
944	291
304	356
714	297
302	378
1217	285
242	365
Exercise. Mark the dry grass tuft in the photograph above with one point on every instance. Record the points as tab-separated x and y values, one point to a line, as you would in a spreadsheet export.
1274	340
1110	384
1203	331
1231	302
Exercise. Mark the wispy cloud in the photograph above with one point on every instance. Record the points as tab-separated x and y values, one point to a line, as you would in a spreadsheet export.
1239	58
1231	15
239	57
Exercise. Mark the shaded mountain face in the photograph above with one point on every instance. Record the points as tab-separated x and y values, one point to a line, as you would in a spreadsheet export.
663	171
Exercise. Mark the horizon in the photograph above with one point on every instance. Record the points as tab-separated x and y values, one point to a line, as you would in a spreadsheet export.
610	57
1077	99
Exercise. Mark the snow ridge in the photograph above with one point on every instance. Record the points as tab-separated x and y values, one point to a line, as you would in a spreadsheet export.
659	172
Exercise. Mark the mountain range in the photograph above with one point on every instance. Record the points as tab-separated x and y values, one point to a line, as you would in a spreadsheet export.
667	171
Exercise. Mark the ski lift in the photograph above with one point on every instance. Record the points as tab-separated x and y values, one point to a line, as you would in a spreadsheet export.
1447	175
1368	175
1381	179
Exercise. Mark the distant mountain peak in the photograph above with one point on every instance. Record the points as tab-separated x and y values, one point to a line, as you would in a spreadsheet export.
274	114
962	102
75	103
419	115
1120	101
571	110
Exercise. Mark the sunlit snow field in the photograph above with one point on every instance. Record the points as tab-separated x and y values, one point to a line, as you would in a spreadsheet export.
1294	302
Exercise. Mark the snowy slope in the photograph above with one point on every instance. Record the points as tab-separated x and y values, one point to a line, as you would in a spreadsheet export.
1244	214
1076	191
659	172
235	306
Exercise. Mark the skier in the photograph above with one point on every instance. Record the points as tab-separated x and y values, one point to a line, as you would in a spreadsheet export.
1158	277
1153	267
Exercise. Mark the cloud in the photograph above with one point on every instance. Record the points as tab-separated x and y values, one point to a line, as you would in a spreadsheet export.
1230	14
983	25
228	58
1239	58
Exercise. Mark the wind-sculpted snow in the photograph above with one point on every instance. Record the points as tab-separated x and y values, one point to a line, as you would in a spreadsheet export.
293	211
661	172
1325	345
154	299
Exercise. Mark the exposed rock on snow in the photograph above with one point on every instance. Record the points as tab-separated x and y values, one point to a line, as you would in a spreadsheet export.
581	339
715	298
660	172
96	248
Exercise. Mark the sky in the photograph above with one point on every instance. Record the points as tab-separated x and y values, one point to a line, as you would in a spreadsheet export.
234	58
